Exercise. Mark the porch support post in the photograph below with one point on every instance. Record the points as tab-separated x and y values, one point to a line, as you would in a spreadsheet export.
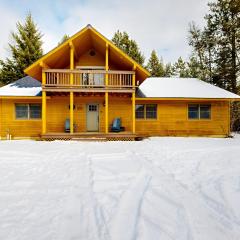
133	100
106	93
71	83
44	104
229	117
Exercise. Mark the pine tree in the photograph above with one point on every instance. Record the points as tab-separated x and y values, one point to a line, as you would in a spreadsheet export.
180	68
129	46
26	49
64	39
168	70
217	46
225	17
194	68
155	66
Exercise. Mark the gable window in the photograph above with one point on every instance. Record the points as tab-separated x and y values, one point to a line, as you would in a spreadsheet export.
199	111
146	111
28	111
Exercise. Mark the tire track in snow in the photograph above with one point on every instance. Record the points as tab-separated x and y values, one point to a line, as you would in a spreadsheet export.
99	222
124	223
199	222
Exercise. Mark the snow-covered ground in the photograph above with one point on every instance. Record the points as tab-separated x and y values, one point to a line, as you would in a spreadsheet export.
161	188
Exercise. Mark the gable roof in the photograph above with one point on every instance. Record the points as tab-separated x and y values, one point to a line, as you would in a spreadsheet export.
26	86
91	38
181	88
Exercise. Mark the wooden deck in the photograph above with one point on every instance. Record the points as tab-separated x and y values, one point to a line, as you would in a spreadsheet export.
65	80
92	136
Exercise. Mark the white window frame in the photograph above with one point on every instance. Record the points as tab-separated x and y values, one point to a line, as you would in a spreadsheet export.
28	111
199	111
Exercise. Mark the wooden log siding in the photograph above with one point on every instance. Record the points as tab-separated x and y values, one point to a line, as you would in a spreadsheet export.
88	78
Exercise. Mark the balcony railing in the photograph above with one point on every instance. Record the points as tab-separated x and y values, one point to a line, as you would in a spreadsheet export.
61	78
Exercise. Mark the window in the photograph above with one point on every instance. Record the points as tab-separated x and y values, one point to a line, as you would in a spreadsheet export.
193	111
92	108
139	111
151	111
21	111
148	111
199	111
35	111
205	111
28	111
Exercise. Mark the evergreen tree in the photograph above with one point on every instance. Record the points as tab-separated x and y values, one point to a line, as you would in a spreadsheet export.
129	46
155	66
64	39
26	49
180	68
217	46
168	70
194	68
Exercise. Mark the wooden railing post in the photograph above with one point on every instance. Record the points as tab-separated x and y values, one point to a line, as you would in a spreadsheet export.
106	93
133	100
71	83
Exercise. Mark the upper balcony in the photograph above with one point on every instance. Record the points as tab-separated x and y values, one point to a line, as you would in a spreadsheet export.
66	80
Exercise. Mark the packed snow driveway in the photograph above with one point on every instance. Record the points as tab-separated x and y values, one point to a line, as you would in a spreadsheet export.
161	188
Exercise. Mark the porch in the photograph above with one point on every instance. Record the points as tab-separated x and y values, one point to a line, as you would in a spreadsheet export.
89	118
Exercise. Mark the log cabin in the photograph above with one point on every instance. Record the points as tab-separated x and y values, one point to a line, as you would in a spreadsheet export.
89	88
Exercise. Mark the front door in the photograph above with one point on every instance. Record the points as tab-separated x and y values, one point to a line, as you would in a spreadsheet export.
92	117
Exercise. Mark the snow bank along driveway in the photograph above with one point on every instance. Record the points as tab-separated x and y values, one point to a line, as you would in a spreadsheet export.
162	188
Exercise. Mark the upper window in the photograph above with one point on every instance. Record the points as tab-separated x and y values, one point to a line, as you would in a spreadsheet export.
28	111
148	111
199	111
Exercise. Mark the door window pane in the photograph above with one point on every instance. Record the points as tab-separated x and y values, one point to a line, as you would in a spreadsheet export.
193	111
140	111
151	111
205	111
92	108
21	111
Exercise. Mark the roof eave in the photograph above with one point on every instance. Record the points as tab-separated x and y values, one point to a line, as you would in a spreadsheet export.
184	99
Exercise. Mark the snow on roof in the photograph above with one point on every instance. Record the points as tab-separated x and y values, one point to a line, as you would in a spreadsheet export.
181	88
26	86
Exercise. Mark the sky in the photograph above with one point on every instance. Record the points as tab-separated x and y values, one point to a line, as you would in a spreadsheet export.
155	24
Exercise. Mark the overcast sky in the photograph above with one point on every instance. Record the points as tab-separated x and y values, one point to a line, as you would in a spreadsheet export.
155	24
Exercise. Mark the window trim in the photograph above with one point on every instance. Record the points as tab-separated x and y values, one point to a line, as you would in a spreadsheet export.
28	112
199	112
145	112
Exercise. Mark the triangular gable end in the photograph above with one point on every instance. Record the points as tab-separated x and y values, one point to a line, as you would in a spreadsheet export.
86	39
